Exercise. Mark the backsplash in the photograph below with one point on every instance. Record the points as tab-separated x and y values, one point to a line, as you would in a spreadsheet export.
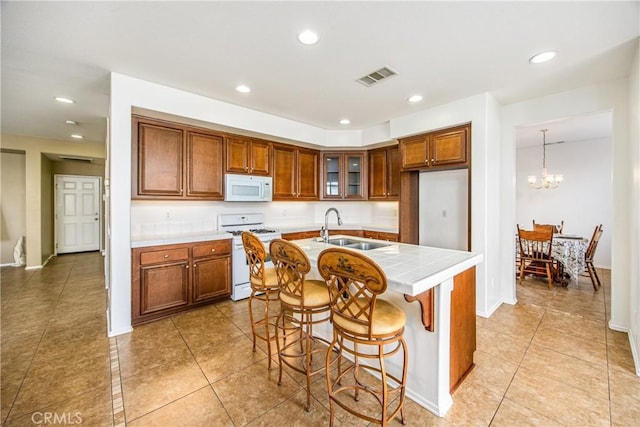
163	218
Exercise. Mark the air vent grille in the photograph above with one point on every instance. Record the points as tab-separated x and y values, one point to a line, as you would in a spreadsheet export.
77	159
377	76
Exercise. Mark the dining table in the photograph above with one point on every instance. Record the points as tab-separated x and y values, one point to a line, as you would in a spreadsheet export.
568	249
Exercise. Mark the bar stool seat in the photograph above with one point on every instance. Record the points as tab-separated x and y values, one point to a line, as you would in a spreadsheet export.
387	319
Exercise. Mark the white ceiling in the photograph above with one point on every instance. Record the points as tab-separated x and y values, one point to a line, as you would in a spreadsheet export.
442	50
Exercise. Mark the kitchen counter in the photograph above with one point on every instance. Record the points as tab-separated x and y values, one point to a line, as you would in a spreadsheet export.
410	269
434	355
157	239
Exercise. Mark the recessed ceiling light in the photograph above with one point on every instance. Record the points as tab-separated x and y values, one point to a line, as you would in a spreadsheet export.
65	100
542	57
345	121
415	98
71	122
76	136
308	37
243	89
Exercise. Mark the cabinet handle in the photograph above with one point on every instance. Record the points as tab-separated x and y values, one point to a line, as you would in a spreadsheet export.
166	256
186	266
194	265
246	168
213	250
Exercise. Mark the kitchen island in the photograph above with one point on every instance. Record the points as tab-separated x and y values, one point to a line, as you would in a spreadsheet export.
414	272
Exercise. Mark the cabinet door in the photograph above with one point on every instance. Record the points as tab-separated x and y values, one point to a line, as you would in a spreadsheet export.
354	176
377	174
284	172
391	237
163	287
393	173
414	153
449	147
331	175
160	160
204	166
211	278
307	165
237	159
260	158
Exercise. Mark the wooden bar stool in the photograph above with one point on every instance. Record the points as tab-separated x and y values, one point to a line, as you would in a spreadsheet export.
374	327
304	303
264	287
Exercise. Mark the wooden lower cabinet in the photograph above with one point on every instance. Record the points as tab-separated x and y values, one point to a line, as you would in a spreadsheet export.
172	278
381	235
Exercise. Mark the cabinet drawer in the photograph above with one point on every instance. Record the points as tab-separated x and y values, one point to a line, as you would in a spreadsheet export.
164	256
218	247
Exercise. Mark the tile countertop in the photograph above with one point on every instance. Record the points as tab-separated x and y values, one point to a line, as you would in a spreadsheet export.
410	269
171	239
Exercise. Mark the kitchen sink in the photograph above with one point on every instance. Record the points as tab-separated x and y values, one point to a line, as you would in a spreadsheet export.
357	244
343	242
366	246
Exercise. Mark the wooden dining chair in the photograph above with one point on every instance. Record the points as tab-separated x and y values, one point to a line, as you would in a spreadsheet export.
589	254
535	254
557	228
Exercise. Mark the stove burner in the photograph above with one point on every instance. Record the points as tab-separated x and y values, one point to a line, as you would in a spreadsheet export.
253	230
262	230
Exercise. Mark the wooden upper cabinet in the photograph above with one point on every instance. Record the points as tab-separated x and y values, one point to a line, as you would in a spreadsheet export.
295	173
204	158
159	154
343	176
449	147
384	173
248	156
173	161
442	149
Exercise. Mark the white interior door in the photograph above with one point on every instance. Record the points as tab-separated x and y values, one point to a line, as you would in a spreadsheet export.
77	213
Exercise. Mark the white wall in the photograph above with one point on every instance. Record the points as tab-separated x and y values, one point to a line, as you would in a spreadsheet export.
607	96
583	200
634	208
13	206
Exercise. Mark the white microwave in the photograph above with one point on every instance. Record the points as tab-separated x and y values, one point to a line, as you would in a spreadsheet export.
248	188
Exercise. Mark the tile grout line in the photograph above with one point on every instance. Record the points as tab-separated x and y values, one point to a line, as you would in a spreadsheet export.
117	402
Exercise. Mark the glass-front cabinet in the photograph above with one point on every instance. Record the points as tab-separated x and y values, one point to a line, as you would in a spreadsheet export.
343	175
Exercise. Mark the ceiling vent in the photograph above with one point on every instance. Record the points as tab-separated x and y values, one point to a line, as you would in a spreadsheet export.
377	76
77	159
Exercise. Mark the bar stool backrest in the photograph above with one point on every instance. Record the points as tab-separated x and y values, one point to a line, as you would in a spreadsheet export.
292	265
256	256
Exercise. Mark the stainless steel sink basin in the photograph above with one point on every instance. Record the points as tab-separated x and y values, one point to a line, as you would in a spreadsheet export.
357	244
365	246
343	242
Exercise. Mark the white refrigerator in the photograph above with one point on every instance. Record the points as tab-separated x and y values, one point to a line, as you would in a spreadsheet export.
444	209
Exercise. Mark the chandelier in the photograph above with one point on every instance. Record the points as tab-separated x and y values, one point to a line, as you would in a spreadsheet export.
547	180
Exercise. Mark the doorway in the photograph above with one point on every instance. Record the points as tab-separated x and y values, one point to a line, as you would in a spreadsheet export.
77	213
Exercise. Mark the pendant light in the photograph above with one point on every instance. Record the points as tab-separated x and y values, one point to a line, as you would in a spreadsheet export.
547	180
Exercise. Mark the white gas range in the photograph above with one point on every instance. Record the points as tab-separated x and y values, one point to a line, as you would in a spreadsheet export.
236	224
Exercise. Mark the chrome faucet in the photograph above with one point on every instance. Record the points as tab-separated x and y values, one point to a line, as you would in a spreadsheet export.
324	231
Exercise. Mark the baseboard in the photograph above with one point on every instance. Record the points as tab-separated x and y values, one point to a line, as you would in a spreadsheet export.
618	327
488	313
33	267
47	260
10	264
634	353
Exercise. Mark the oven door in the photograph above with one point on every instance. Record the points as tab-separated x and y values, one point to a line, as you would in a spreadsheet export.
240	264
